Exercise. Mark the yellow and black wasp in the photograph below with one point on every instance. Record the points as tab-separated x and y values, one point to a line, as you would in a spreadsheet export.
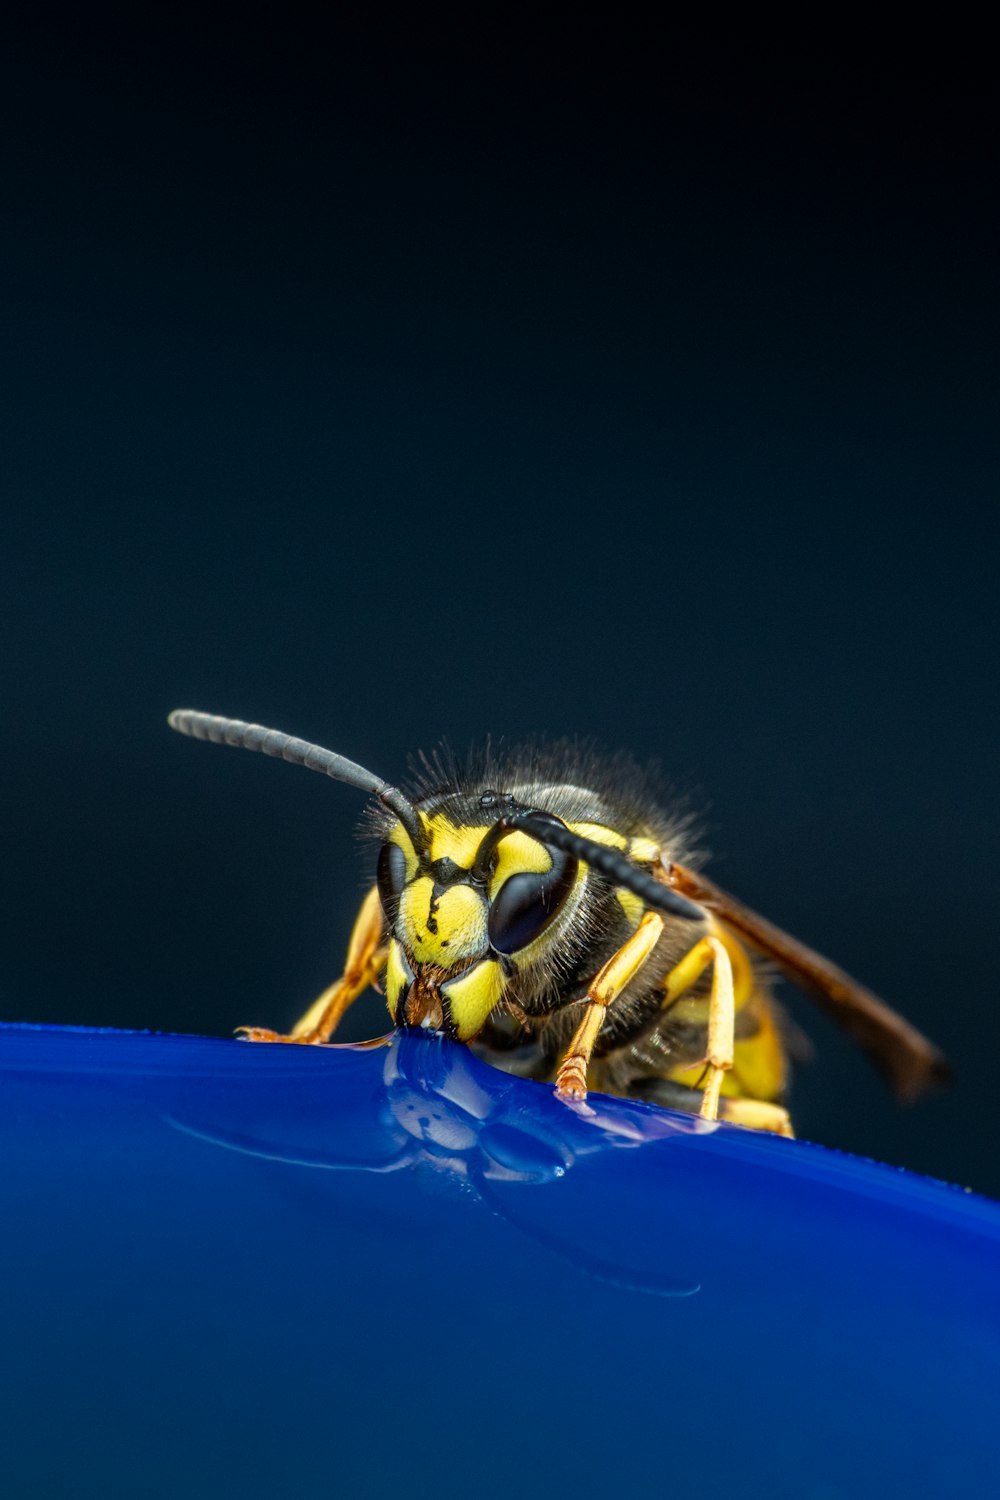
541	906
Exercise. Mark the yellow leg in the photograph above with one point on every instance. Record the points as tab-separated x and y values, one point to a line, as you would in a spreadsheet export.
571	1079
758	1114
366	955
721	1026
755	1114
721	1011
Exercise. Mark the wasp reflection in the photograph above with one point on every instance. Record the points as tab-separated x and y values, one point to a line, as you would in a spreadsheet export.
434	1108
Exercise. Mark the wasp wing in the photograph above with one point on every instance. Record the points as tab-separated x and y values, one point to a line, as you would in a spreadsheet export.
907	1060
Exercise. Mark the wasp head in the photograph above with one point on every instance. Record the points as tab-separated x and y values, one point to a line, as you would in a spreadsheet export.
465	911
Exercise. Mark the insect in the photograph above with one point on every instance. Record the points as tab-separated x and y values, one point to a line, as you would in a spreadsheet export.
541	908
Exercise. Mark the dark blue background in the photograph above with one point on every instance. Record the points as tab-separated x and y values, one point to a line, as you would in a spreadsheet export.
385	384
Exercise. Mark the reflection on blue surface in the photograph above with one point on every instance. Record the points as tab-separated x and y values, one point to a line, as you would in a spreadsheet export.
256	1271
486	1136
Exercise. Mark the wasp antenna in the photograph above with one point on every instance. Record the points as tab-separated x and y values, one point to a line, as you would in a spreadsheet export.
221	731
613	865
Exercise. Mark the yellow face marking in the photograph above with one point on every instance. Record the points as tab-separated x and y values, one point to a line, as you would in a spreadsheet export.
472	996
453	928
644	851
517	854
442	931
445	841
398	835
397	976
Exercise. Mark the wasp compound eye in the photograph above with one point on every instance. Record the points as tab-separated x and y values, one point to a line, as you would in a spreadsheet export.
528	901
390	877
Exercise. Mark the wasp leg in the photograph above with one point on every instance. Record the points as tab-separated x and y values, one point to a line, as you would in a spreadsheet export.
756	1114
621	967
366	955
721	1011
721	1026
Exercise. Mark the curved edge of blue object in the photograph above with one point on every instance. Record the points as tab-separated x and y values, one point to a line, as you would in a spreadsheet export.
440	1067
437	1271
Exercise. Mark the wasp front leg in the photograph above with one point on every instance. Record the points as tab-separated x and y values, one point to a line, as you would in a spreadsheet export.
366	956
620	969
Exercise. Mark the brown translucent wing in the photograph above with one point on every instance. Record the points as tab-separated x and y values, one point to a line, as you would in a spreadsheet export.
907	1060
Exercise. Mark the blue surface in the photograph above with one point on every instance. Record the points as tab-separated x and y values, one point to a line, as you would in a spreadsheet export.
248	1270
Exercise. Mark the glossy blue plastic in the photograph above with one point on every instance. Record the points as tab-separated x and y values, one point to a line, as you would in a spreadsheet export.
278	1271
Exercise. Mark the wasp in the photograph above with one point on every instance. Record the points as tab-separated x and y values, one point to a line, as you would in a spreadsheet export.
544	909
